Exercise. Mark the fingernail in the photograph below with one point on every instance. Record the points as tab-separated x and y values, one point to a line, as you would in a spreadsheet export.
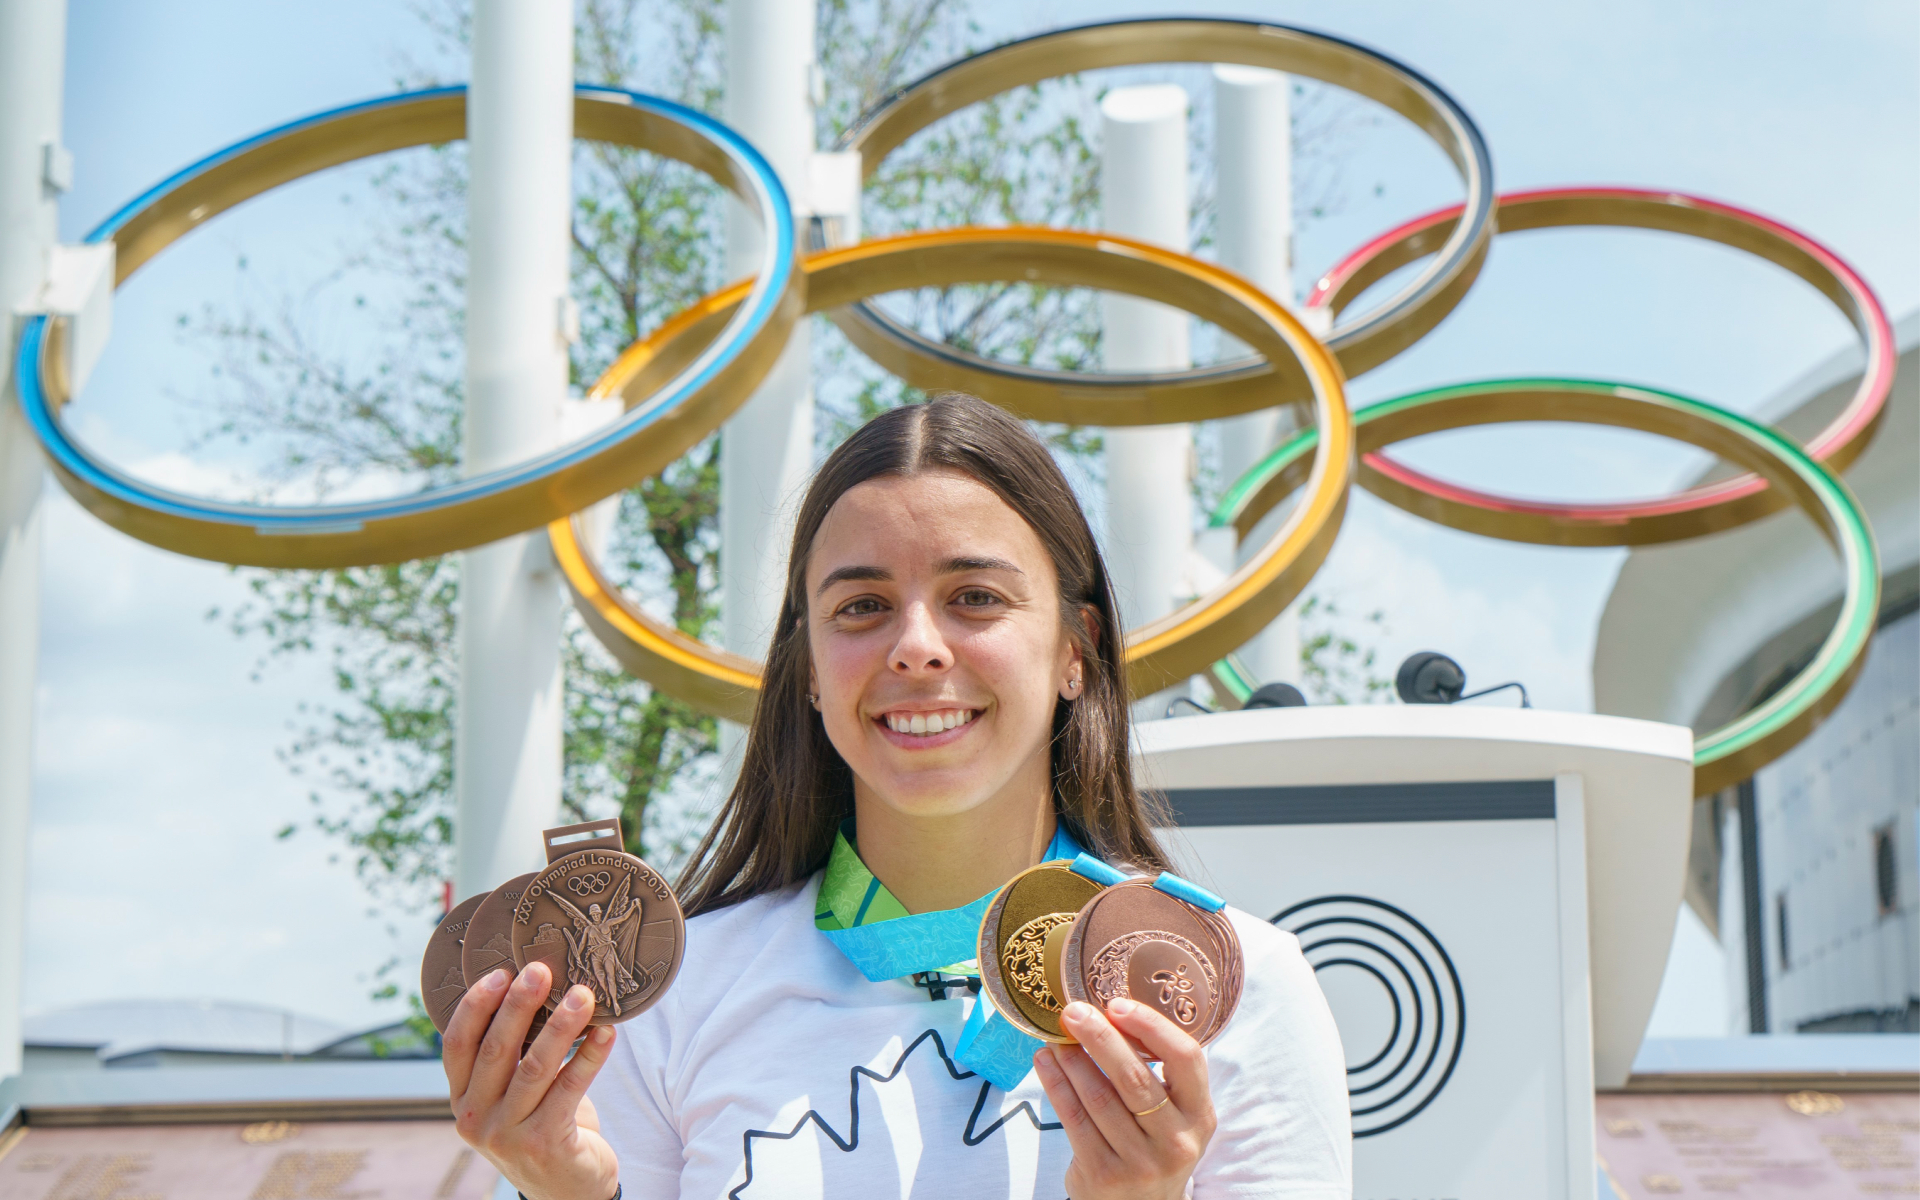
602	1034
494	981
578	998
1119	1006
527	984
1078	1011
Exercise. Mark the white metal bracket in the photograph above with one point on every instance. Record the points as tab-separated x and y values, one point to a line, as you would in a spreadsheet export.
56	168
833	194
78	295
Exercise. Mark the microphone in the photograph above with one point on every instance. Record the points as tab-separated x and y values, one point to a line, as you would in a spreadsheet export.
1430	677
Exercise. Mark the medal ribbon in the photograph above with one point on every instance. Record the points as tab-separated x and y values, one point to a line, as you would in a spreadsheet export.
884	941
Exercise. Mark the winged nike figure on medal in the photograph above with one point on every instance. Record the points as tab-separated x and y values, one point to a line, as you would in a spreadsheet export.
602	942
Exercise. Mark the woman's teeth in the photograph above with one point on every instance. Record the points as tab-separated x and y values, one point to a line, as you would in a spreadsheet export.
928	723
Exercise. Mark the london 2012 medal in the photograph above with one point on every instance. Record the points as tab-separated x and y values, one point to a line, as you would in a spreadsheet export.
598	916
1022	932
442	982
1138	941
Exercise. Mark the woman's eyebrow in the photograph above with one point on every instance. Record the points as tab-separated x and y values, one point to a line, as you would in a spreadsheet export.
843	574
954	566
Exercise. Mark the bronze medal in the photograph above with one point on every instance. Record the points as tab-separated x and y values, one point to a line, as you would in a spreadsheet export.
489	944
598	916
1136	941
442	982
1022	938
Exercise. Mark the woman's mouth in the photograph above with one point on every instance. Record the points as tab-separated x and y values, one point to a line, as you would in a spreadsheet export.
926	729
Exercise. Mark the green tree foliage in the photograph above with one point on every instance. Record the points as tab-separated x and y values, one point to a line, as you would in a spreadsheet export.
1337	657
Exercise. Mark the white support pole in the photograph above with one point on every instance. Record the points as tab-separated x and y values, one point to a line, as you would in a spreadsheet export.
1143	189
1253	229
33	172
507	743
767	448
1576	984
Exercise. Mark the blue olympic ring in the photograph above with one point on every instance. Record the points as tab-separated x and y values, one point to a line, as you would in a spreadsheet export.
515	497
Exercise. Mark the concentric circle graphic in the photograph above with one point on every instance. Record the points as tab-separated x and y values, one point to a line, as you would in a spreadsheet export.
1392	951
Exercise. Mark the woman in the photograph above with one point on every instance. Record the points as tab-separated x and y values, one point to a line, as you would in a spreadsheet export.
943	706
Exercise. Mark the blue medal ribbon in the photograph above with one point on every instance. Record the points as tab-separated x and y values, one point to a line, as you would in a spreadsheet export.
989	1045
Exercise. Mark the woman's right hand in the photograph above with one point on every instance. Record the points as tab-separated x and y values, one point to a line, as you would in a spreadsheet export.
530	1115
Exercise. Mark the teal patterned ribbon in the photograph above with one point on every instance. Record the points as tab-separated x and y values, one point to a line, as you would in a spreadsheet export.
884	941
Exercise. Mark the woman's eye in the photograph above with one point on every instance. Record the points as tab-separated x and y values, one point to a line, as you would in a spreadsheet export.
866	606
978	599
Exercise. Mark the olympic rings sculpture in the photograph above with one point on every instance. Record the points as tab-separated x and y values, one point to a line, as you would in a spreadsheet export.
480	509
683	381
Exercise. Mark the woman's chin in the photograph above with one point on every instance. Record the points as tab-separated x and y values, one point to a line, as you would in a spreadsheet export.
930	793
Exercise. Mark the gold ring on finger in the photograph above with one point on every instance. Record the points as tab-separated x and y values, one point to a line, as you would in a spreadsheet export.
1164	1101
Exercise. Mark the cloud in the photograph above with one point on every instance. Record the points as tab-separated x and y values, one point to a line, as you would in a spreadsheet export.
1503	611
157	796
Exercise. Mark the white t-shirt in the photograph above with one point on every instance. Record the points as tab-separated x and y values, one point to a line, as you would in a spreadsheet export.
773	1068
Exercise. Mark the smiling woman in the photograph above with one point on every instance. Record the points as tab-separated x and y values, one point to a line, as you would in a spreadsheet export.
940	564
943	708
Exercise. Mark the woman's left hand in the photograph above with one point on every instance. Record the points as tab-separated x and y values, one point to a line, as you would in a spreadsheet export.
1132	1135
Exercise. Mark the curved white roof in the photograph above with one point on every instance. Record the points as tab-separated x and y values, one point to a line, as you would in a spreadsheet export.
1692	629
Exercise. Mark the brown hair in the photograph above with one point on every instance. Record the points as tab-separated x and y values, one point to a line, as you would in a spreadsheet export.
794	789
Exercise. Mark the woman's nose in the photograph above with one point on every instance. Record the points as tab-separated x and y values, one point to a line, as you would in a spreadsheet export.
921	648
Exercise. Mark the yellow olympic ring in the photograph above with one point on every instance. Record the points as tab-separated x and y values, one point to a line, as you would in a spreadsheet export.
1158	653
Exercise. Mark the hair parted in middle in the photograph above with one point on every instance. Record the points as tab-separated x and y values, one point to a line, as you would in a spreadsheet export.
794	790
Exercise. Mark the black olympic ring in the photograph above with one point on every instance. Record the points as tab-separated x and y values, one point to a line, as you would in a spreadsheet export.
1429	1005
587	885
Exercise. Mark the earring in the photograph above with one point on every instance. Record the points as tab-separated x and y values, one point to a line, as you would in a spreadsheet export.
1073	684
813	700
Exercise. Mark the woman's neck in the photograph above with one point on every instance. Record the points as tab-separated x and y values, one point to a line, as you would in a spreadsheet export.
935	863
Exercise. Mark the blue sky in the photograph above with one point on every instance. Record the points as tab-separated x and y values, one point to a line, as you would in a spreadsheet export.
156	744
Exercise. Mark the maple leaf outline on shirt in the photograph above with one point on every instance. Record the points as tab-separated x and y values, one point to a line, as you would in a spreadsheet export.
775	1161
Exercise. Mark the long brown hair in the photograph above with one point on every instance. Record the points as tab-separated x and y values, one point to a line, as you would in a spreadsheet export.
794	789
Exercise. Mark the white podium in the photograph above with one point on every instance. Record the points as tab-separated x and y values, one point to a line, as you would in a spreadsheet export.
1487	896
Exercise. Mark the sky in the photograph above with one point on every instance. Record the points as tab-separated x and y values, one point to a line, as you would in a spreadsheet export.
156	743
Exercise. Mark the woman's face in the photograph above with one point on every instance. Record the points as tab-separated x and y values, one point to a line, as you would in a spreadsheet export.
937	648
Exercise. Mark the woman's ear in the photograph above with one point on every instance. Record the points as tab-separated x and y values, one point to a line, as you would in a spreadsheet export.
1073	684
813	687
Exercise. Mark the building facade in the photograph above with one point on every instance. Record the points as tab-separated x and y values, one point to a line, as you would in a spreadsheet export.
1809	872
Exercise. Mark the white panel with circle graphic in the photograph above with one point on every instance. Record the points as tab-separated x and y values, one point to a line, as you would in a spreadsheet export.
1438	866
